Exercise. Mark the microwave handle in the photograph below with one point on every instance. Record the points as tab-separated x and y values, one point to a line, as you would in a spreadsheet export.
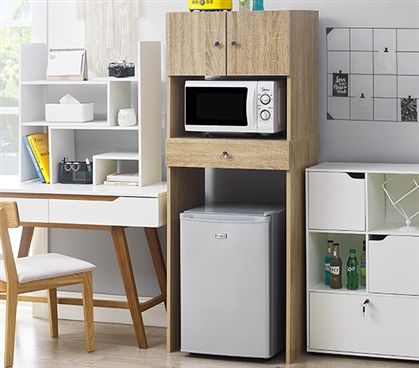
251	105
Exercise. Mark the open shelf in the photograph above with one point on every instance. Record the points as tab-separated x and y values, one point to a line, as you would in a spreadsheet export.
91	125
322	288
61	82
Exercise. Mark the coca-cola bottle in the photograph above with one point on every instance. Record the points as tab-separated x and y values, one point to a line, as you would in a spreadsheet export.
336	269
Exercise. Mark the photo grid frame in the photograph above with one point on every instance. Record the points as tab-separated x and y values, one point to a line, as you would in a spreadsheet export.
372	74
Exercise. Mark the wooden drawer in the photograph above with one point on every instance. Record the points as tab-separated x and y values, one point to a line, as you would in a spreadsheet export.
390	326
336	201
393	265
123	211
31	209
228	153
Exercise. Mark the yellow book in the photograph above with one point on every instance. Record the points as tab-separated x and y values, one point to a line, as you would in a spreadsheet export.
39	145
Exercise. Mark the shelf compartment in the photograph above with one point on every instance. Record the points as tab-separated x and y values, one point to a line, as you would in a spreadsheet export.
316	251
322	288
108	163
92	125
223	153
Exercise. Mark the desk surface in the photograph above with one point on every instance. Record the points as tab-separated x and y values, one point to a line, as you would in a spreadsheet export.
149	191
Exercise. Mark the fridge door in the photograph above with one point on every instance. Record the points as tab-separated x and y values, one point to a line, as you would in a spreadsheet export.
225	286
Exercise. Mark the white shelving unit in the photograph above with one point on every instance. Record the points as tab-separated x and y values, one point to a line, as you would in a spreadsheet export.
345	202
78	141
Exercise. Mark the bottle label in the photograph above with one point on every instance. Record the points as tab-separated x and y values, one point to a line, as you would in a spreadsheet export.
327	267
363	271
335	270
353	269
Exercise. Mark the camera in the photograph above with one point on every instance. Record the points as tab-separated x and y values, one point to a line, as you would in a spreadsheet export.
121	69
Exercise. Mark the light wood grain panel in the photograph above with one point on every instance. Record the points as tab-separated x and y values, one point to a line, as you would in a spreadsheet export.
228	153
185	45
87	292
302	89
53	312
75	197
215	32
263	43
10	213
186	190
25	241
303	153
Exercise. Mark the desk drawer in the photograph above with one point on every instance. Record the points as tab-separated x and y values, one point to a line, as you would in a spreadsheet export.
123	211
31	209
228	153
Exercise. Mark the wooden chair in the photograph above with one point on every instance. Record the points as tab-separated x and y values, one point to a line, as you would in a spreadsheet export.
41	272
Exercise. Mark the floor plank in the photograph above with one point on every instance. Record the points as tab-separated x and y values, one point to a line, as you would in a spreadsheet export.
116	347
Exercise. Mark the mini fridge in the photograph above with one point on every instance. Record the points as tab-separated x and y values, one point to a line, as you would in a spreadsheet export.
232	261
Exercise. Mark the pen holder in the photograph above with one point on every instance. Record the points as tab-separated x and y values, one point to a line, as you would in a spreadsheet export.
75	172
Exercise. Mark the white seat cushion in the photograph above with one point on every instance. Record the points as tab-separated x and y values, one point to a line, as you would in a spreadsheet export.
46	266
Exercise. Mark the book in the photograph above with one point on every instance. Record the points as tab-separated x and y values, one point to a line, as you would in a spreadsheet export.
128	176
39	146
121	183
35	163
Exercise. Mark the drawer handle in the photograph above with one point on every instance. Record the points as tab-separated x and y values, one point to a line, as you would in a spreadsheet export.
216	44
364	306
225	154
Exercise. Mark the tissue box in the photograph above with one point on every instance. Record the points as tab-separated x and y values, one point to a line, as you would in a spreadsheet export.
69	113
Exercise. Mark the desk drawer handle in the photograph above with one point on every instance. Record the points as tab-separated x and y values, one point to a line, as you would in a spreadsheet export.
225	154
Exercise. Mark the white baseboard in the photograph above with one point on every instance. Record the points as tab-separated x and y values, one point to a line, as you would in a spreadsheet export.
155	316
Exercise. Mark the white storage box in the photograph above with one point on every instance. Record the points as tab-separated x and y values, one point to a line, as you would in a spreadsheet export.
69	113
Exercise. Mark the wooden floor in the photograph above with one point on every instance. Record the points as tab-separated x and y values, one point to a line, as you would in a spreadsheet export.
116	348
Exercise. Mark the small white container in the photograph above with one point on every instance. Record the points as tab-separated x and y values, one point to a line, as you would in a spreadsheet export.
69	113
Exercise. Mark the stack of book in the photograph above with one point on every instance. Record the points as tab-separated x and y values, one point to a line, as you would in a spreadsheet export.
127	178
37	146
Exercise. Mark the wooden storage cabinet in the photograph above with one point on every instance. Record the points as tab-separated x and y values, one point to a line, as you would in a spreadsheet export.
229	43
254	45
336	322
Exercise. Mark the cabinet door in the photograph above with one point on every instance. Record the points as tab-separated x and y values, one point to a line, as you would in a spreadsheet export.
336	201
196	43
393	265
390	325
258	43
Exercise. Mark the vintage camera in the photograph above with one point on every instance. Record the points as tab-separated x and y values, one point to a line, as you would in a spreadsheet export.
121	69
75	172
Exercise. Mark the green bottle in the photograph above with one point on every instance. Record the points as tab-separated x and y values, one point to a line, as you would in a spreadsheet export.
363	267
352	271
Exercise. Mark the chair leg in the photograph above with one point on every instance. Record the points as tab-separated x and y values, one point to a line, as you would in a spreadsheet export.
88	311
53	313
11	307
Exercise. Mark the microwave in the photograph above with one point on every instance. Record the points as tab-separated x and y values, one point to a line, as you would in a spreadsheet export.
235	106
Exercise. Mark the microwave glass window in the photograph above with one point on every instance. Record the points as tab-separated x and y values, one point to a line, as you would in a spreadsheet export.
224	106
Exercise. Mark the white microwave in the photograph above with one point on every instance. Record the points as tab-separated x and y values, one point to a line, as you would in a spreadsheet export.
235	106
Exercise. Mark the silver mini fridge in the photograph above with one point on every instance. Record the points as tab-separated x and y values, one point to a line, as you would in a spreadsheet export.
233	280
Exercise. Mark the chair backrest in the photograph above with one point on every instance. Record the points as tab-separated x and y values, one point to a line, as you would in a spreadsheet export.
9	218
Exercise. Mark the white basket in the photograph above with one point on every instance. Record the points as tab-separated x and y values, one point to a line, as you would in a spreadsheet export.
69	113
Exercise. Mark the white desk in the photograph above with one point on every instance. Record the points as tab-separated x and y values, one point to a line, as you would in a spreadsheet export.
97	208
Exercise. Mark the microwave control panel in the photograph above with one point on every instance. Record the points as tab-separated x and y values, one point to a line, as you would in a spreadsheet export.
266	95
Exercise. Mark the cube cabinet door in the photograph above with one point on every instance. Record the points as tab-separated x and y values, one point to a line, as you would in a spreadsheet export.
258	43
336	201
196	43
393	265
390	325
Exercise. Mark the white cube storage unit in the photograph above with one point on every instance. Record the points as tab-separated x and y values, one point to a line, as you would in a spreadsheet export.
346	203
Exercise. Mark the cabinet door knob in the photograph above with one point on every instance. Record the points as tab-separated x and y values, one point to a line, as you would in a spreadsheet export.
216	44
224	154
364	306
233	43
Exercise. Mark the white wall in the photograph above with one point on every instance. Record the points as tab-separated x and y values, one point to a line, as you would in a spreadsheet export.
339	140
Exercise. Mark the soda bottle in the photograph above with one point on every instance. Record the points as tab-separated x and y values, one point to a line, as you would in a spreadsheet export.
363	267
352	271
336	269
327	260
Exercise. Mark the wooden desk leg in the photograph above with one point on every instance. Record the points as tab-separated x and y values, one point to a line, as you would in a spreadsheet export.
157	257
125	267
25	241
